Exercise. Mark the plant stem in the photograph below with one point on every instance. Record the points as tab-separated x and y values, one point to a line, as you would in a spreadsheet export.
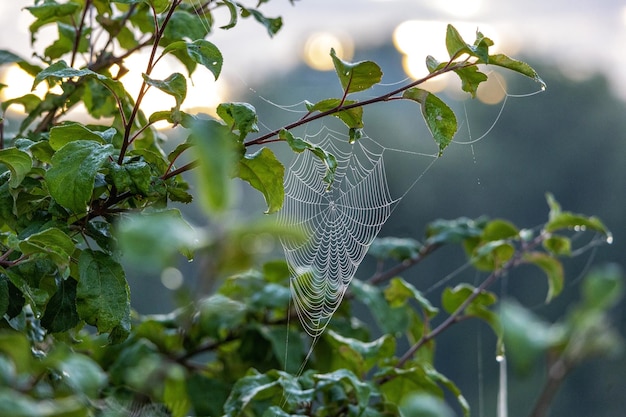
269	137
556	374
79	32
144	86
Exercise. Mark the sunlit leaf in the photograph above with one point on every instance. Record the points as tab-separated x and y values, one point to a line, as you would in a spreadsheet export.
175	85
263	171
356	76
353	118
523	68
219	151
440	119
241	117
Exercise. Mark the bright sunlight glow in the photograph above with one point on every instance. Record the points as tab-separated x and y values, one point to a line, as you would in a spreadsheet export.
460	8
317	49
18	83
414	39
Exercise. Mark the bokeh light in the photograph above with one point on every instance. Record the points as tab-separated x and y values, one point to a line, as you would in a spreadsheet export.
172	278
415	40
317	48
493	90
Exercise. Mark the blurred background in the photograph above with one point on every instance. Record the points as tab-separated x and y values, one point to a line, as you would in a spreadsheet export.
569	140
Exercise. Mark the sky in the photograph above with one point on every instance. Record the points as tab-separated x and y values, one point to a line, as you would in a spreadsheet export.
581	36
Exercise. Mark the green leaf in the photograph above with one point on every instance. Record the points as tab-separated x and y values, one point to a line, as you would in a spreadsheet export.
453	298
60	314
390	320
558	245
205	53
29	101
263	171
218	150
272	24
526	337
175	395
239	116
455	43
253	386
353	118
399	249
362	390
232	9
404	383
453	231
298	145
356	76
52	242
175	85
82	374
102	295
52	9
200	52
151	239
60	70
8	57
218	315
553	270
399	292
523	68
470	77
439	118
358	356
68	132
18	162
603	287
74	167
184	25
424	405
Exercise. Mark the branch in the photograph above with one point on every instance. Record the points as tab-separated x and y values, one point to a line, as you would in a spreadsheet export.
403	266
79	32
270	137
556	375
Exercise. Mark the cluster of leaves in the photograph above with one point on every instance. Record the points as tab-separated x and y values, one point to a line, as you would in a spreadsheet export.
75	198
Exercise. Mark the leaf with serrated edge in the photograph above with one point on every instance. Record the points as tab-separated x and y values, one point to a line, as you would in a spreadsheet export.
102	295
74	167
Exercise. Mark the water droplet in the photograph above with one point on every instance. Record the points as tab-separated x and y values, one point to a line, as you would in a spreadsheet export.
543	87
580	228
609	239
499	358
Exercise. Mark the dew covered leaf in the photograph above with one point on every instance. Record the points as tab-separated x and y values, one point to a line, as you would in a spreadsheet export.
439	118
102	294
74	167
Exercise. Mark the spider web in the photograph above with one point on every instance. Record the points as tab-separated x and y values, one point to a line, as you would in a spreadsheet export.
339	220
